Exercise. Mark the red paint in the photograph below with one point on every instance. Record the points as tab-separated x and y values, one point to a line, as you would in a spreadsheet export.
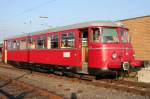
99	54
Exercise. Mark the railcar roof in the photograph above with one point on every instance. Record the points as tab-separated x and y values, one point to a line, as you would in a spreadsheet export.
73	26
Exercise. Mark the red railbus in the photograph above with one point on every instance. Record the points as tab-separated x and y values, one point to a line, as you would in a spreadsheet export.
89	48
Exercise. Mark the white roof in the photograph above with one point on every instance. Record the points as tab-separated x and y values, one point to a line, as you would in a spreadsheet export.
73	26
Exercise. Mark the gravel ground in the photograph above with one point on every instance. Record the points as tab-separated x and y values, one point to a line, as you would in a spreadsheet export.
12	89
69	88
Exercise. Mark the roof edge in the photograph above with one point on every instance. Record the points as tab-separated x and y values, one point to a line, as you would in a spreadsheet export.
134	18
71	26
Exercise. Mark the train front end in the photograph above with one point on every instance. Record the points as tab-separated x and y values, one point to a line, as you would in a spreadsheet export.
111	50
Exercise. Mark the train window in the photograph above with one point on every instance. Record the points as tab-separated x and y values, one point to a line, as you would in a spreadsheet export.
124	36
67	40
84	36
109	35
52	41
14	44
41	42
31	43
9	45
95	35
23	44
17	45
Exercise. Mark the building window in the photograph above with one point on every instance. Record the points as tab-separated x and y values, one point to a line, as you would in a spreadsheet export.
67	40
23	44
31	43
52	41
41	43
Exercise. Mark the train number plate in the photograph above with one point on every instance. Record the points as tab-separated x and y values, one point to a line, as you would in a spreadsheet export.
66	54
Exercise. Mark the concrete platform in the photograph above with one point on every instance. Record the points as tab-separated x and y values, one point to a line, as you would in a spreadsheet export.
144	75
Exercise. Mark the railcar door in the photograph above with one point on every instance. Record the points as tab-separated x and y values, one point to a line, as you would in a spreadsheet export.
84	45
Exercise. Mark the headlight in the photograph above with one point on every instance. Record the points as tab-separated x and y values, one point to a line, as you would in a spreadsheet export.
114	55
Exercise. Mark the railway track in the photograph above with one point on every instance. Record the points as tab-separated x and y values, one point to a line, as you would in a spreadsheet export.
121	85
14	89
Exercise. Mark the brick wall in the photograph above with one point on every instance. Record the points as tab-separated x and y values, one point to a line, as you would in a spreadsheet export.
139	31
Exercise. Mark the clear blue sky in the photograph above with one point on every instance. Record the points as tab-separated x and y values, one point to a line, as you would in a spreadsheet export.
16	14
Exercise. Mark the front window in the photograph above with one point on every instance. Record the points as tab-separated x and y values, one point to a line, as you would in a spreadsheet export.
109	35
124	36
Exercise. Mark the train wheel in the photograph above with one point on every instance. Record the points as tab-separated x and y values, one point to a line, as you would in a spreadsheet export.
124	74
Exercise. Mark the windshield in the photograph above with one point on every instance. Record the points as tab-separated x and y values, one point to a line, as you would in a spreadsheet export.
124	36
109	35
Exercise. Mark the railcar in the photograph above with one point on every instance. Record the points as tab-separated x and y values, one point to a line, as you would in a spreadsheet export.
88	48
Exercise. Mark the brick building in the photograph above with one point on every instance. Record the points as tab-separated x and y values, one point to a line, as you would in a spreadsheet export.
139	31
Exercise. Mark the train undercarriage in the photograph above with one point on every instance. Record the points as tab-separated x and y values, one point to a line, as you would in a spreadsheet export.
73	71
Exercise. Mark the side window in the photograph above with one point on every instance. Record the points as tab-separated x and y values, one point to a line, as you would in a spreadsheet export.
41	42
52	41
124	36
10	45
95	35
14	44
17	45
23	44
67	40
31	43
